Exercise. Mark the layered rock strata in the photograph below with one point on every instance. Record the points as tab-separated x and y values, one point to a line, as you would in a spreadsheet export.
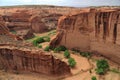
94	30
21	59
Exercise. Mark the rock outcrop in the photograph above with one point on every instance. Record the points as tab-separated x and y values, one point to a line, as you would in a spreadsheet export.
4	30
34	61
22	56
94	29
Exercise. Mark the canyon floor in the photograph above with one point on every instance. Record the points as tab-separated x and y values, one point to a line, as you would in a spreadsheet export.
84	69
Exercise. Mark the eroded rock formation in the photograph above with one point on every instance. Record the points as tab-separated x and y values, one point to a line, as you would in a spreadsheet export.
44	17
38	61
23	56
94	29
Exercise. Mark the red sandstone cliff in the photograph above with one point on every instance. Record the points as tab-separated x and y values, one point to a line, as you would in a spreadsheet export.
94	29
22	56
39	19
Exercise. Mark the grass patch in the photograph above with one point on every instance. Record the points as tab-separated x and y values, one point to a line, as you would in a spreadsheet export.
47	48
115	70
53	32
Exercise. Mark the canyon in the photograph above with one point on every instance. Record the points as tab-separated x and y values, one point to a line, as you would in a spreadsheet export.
91	29
20	56
94	30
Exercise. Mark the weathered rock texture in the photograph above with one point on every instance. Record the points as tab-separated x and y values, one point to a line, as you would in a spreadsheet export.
14	58
28	61
95	30
37	18
4	30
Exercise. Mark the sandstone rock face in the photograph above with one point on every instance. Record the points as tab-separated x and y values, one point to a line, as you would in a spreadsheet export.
34	61
25	34
22	56
37	24
95	30
44	17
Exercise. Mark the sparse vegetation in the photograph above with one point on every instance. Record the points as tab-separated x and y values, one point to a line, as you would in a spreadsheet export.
72	62
93	78
115	70
60	48
85	54
66	54
13	32
52	33
35	43
39	46
47	48
46	38
41	40
102	66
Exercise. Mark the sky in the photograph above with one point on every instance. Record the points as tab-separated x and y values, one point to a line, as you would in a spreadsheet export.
72	3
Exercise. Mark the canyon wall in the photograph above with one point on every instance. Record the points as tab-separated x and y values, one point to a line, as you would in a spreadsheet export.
14	58
95	30
39	18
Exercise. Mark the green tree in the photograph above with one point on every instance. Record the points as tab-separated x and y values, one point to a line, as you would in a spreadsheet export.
102	66
72	62
66	54
93	78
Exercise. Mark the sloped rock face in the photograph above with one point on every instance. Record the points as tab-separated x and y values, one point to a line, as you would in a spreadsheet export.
34	61
25	34
37	25
95	30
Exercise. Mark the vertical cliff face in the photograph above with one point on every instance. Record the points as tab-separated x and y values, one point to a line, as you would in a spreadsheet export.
95	30
34	61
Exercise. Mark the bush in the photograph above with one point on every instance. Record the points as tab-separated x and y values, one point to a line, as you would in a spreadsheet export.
39	46
60	48
35	43
46	39
57	49
71	62
47	48
85	54
93	78
102	66
66	54
40	40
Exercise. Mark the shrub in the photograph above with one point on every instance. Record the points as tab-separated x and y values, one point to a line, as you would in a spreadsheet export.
60	48
57	49
93	78
102	66
47	48
76	50
39	46
35	43
85	54
40	40
46	38
71	62
66	54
